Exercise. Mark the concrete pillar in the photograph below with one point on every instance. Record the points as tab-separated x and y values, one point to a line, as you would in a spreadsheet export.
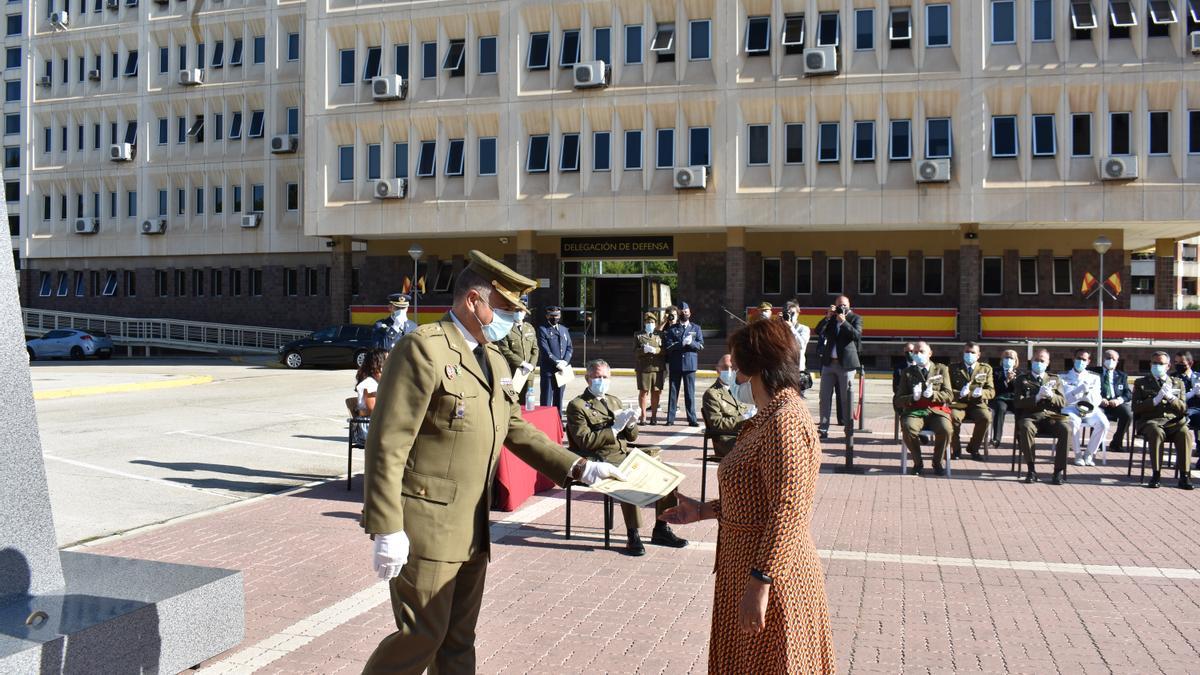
969	270
526	254
341	266
1166	284
735	276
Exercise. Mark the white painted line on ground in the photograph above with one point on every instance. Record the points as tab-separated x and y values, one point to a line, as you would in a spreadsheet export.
257	445
134	476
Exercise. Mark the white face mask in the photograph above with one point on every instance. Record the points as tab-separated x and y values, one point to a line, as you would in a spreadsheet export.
1110	364
649	327
727	377
743	392
598	386
520	317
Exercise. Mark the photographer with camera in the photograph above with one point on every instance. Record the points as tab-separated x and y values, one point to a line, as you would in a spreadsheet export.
839	337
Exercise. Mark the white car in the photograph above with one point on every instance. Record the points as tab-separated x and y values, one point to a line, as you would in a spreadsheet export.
70	343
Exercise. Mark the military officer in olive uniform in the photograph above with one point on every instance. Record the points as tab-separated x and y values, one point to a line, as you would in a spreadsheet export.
923	398
389	330
1160	410
723	414
971	382
651	368
597	427
520	348
1038	399
445	407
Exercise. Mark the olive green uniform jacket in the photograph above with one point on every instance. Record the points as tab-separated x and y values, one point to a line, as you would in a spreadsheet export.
589	428
650	363
520	346
980	378
939	377
1165	412
723	417
436	434
1025	390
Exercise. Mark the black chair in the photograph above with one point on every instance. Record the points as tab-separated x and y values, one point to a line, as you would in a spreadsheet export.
705	458
987	438
608	514
356	438
1170	458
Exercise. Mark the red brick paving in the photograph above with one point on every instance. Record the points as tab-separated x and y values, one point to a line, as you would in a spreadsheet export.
554	606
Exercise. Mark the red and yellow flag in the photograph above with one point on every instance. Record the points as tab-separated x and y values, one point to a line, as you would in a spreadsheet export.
1089	283
406	286
1113	284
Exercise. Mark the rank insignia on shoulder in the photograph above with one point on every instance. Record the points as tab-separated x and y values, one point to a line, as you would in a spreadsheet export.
451	372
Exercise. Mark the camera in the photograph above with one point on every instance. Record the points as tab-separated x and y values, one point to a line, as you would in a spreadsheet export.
841	310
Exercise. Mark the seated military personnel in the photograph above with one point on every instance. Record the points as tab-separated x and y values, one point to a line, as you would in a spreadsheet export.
1160	411
923	399
724	415
971	381
1038	399
598	427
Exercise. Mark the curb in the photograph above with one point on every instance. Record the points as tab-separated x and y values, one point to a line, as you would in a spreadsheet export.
50	394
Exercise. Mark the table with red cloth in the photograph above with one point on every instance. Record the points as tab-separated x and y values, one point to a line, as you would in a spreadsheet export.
516	481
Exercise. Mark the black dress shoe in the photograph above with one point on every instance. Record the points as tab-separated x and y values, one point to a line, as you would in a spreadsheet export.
916	471
957	454
663	536
635	547
693	423
975	456
939	470
824	434
1059	478
1155	480
1030	477
1185	484
1115	448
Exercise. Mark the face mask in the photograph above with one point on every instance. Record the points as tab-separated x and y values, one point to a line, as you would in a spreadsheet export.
520	317
401	315
552	320
1080	365
969	358
649	327
743	392
920	359
727	377
911	356
1158	370
1006	363
1180	369
1037	367
498	329
687	317
1111	364
598	386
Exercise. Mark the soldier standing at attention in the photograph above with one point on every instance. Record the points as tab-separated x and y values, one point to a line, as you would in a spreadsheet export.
555	350
971	381
388	331
1161	415
684	341
923	398
445	408
1038	399
519	347
651	368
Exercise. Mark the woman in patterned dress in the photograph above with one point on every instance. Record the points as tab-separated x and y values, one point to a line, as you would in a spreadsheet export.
769	608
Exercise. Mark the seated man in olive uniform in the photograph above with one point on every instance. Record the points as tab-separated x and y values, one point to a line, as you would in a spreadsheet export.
923	398
723	414
597	427
1038	399
971	381
1160	409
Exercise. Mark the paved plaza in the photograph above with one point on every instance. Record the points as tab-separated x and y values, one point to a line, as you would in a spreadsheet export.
975	573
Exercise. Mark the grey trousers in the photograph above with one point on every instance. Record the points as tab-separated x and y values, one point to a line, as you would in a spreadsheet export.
834	376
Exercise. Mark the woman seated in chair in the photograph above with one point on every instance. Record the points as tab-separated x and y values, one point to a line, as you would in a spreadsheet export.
362	404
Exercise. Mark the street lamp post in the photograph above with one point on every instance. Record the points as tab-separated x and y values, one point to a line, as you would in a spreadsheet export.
415	251
1101	245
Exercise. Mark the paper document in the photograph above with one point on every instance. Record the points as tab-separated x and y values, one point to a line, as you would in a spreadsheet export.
647	480
563	376
519	379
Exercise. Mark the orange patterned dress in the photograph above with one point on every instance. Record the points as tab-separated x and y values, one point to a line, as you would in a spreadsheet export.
768	485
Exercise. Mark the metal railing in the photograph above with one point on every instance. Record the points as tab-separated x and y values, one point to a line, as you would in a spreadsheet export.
169	333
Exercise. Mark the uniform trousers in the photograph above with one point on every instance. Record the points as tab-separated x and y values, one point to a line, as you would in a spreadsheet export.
1029	427
688	380
436	605
1096	420
980	417
912	426
1157	433
552	394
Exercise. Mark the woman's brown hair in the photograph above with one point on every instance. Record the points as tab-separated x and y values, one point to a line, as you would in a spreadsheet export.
372	365
767	349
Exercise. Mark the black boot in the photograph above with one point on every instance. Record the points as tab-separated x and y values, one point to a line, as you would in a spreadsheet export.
663	536
976	456
1059	478
916	470
939	470
635	547
1185	481
1155	480
1030	477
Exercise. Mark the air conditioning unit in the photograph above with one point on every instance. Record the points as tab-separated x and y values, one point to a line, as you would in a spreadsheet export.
391	188
591	74
932	170
94	75
113	4
44	81
282	145
1194	41
1119	168
691	177
61	19
250	220
154	226
120	152
388	88
191	77
820	61
87	225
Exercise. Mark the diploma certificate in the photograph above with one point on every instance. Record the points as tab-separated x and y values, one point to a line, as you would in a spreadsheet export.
647	480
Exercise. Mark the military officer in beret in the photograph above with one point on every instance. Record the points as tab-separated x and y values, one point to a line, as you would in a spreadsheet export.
1160	410
971	382
923	399
389	330
651	367
520	348
555	351
724	414
1038	399
599	428
444	409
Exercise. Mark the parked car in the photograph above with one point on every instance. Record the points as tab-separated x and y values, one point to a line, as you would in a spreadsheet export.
332	346
70	343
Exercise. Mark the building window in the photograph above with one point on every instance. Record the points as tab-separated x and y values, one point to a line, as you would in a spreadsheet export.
633	45
12	91
937	25
864	29
828	29
1162	14
772	276
699	40
793	143
699	146
256	283
864	141
200	201
664	149
346	66
218	58
373	64
1083	17
900	28
44	285
257	198
13	26
429	62
198	283
216	282
487	55
311	284
160	283
633	150
601	151
130	279
131	204
793	34
568	153
293	122
12	57
1045	141
1119	134
345	163
899	276
427	159
833	276
758	144
1043	20
828	142
256	124
1081	135
235	283
1194	130
1004	22
64	285
218	199
758	35
293	47
374	161
866	276
400	160
1062	276
568	52
237	199
900	140
456	151
662	45
932	283
1160	132
1027	282
1121	14
539	51
938	140
400	61
538	160
456	58
487	156
993	276
803	276
260	49
180	283
1004	136
291	281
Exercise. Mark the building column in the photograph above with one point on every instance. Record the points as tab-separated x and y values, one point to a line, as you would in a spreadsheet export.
969	271
1166	284
341	270
526	254
735	276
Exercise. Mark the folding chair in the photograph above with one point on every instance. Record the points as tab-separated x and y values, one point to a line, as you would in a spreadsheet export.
705	459
608	514
356	438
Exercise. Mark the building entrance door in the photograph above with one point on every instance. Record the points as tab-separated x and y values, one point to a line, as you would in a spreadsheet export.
615	292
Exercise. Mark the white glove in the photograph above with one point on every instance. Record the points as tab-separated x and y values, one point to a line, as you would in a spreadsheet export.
916	392
562	365
965	390
1044	392
649	349
687	339
623	418
596	471
928	392
1167	393
1195	389
978	393
526	368
391	552
751	411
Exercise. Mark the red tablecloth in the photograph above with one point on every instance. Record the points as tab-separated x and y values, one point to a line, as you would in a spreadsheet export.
516	481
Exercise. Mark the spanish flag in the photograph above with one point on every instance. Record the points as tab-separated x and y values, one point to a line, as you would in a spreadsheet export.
1090	283
406	287
1113	284
421	285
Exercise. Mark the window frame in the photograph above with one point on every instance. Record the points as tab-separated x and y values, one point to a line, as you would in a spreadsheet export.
629	135
892	156
758	50
488	44
345	155
544	140
456	168
1021	262
1069	286
822	157
1128	116
949	122
640	42
293	37
854	150
764	150
1164	128
798	276
983	276
374	158
995	7
422	148
692	41
858	44
929	10
598	54
893	14
575	34
429	61
793	23
596	168
663	31
457	67
1117	22
1035	135
692	139
536	41
841	287
1079	22
563	155
1033	21
343	64
1074	146
874	276
893	262
493	153
1193	147
793	130
778	264
1010	121
659	136
822	24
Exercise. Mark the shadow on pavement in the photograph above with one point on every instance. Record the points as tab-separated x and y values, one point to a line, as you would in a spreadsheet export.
230	469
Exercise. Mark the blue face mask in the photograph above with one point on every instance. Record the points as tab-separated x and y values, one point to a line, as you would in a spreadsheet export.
970	358
1158	370
1080	365
727	377
920	359
502	323
1006	364
742	392
598	386
1037	367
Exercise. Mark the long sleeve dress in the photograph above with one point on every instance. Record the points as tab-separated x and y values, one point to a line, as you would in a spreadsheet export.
768	485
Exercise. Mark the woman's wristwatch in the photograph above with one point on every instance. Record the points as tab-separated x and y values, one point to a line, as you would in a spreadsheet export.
757	574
